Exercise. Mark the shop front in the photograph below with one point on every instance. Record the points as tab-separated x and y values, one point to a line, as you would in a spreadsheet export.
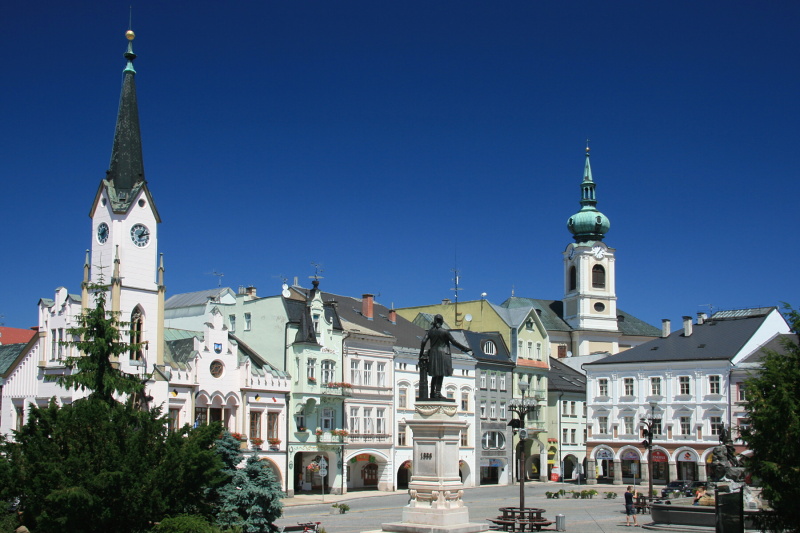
631	464
687	464
660	466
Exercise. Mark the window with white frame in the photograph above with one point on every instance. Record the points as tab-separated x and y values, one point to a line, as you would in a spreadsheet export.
327	418
402	397
530	349
564	434
464	401
683	385
328	371
355	372
255	424
503	413
519	349
232	321
311	368
502	381
584	409
657	426
20	417
273	424
380	421
367	373
686	425
602	387
53	345
354	419
464	438
401	436
493	440
300	421
450	393
714	384
493	410
628	386
248	322
573	433
572	409
368	425
602	425
741	395
483	379
489	348
716	425
538	351
381	375
493	381
315	320
655	386
564	406
483	408
628	423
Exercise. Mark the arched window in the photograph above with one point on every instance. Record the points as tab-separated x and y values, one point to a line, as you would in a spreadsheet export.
598	277
137	328
573	278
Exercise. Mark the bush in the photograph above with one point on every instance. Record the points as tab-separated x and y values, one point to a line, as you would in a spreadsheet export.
185	523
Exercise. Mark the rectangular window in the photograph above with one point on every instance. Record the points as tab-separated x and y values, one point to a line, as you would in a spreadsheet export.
655	386
628	384
657	427
60	343
538	351
200	416
354	420
273	428
368	422
572	409
602	387
451	394
20	421
380	421
564	409
483	379
174	420
328	371
713	384
584	409
311	369
584	436
628	420
493	410
300	421
355	372
464	401
247	322
464	438
483	408
503	381
683	385
564	434
716	425
401	436
493	381
740	392
327	419
573	433
686	425
602	425
503	414
255	424
381	375
232	320
402	398
530	350
367	373
53	345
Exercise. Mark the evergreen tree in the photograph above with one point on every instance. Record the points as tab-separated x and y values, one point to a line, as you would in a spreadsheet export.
773	403
251	499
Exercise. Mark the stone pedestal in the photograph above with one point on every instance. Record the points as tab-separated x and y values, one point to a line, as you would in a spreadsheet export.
435	487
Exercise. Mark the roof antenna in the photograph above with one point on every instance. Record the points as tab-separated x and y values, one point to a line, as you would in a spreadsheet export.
219	275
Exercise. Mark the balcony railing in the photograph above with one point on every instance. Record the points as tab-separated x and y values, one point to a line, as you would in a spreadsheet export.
369	437
336	389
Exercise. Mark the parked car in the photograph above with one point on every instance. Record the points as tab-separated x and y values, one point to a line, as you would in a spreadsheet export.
682	486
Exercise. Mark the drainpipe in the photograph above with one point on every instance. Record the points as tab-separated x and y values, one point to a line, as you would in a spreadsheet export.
560	435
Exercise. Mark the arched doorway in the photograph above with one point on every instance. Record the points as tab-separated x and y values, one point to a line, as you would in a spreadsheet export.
570	472
686	460
403	475
306	472
631	464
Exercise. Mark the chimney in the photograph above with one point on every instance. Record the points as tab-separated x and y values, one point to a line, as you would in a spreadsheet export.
366	305
701	318
392	316
665	327
445	301
251	292
687	326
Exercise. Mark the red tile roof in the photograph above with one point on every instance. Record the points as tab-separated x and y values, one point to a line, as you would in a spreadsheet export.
16	335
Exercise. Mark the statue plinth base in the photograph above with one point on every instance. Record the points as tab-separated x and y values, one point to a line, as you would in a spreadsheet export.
435	487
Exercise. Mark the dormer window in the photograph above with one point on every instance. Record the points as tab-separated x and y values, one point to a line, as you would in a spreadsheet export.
315	319
489	348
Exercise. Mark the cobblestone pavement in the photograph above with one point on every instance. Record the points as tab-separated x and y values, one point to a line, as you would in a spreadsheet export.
370	509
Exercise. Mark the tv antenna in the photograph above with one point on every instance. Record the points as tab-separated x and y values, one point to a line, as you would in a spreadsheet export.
455	289
219	275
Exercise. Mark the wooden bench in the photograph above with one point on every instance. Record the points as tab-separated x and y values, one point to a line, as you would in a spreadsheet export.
534	525
503	525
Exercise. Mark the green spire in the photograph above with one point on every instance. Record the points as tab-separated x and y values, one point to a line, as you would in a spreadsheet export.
588	224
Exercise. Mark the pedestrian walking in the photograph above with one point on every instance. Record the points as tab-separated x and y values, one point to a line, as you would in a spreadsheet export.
630	510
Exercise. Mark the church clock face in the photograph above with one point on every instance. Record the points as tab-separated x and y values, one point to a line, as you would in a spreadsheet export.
102	233
140	235
598	251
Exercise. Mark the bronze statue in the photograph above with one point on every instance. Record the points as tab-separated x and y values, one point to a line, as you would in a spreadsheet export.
437	362
725	465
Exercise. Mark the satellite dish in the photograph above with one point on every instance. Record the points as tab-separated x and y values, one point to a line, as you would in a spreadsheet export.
285	290
468	318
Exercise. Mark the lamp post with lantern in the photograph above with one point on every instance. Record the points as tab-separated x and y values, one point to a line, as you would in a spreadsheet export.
650	424
521	406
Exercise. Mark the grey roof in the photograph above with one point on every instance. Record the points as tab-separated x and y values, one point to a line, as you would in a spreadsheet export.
562	378
716	338
49	302
551	313
477	341
191	299
775	344
9	354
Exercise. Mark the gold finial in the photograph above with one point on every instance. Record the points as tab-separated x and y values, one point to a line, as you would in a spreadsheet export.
130	35
587	146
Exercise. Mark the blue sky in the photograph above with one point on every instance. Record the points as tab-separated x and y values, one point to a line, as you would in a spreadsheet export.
393	141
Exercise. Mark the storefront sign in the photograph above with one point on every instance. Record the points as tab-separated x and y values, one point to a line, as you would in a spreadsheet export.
603	454
659	456
630	455
686	456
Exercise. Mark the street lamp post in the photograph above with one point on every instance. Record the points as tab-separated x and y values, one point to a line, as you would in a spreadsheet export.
521	406
650	424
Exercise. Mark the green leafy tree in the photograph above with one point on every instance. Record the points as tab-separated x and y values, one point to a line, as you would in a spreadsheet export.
773	402
251	499
99	465
100	342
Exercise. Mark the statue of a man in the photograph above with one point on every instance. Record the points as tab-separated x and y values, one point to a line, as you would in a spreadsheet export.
437	362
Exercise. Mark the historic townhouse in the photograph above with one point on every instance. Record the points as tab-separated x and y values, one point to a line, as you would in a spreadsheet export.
566	418
686	381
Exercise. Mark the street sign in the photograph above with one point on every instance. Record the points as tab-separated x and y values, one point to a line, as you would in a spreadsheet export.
523	434
323	472
323	463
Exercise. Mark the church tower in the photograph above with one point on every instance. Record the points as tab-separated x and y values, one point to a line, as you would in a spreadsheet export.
590	299
124	253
